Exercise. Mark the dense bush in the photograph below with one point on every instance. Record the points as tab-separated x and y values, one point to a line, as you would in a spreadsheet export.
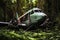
6	34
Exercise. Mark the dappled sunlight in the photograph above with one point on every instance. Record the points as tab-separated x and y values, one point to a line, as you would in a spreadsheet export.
13	1
28	35
34	1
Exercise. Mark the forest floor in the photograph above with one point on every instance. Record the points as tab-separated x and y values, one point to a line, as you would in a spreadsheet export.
38	34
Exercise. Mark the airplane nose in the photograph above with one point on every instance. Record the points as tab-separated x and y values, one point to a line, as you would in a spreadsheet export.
45	17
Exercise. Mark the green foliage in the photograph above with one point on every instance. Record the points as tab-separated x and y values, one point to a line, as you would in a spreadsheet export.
6	34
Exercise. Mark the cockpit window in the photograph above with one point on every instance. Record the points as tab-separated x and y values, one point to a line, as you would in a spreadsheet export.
37	11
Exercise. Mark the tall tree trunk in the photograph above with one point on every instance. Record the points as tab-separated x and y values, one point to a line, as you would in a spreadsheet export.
5	11
19	10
